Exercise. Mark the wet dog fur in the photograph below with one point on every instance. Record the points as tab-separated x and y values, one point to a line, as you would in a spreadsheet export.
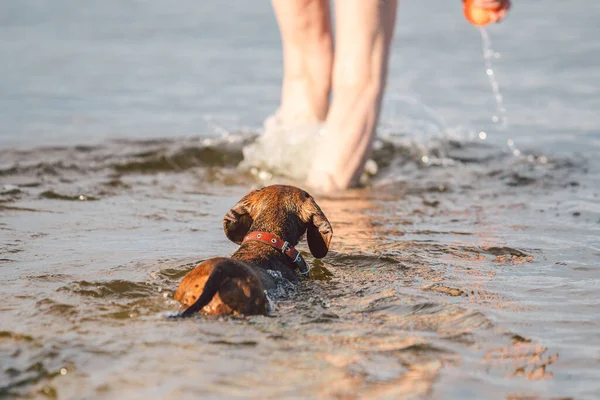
236	285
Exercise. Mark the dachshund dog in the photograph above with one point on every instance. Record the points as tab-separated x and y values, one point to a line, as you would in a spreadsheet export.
267	224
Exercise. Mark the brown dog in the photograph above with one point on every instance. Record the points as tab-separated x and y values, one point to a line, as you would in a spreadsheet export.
267	224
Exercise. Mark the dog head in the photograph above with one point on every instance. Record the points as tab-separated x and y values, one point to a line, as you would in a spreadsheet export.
285	211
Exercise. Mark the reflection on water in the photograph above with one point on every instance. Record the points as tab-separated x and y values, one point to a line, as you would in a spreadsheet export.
441	282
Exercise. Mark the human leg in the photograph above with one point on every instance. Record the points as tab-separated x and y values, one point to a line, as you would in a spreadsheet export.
305	27
364	30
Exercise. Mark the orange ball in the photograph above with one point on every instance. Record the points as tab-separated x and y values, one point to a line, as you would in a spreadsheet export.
476	15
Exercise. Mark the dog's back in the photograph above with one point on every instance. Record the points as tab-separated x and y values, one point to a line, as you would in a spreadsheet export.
222	286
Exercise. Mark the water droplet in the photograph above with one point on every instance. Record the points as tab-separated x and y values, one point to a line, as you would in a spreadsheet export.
517	153
371	167
482	135
425	159
63	371
511	143
264	175
488	55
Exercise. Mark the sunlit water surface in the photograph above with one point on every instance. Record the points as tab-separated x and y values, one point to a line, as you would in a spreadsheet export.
465	270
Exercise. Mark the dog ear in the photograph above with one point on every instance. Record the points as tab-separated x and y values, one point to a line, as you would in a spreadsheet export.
237	221
318	229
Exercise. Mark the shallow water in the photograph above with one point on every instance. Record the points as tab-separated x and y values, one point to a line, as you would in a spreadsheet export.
472	275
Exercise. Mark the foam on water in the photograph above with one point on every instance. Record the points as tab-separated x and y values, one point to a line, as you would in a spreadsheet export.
283	149
284	287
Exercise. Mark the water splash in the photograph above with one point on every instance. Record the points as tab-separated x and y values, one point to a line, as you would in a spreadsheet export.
285	149
489	54
284	287
500	119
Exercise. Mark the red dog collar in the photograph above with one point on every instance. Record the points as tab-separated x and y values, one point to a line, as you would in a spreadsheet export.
284	247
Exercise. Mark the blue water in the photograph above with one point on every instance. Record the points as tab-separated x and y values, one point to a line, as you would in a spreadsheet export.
75	73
